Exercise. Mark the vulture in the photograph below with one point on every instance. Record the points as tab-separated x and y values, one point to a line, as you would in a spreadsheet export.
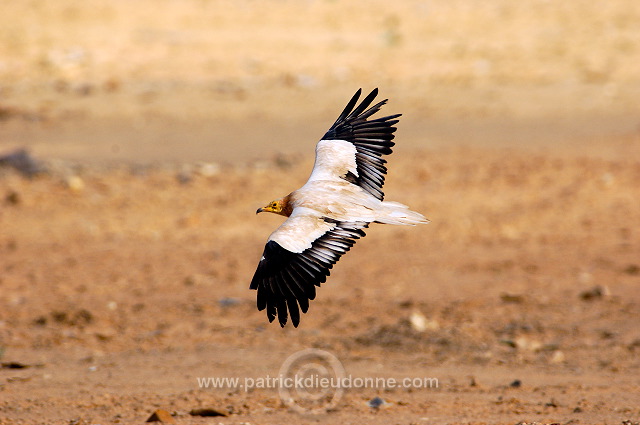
329	213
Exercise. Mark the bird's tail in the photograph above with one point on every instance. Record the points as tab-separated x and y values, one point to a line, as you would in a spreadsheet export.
397	213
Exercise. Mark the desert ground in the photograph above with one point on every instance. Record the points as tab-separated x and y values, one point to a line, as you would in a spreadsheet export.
153	130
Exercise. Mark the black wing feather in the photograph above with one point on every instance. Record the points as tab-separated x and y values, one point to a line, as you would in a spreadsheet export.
286	280
372	139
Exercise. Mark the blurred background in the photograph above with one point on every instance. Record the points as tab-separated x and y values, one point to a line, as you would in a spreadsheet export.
237	80
154	129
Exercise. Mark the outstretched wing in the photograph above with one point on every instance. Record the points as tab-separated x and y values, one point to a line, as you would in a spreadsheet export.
295	261
370	138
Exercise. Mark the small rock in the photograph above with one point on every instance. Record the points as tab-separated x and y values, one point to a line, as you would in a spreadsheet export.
527	344
161	416
509	342
22	162
551	403
420	323
14	365
207	412
406	303
60	316
40	321
376	402
81	317
557	357
12	198
516	384
228	302
184	177
74	183
597	292
105	333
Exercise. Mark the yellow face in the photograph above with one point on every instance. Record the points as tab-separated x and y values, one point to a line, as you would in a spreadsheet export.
272	207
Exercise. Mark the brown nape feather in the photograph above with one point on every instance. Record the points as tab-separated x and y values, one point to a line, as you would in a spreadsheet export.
287	206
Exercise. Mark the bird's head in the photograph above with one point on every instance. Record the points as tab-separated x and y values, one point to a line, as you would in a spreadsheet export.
279	206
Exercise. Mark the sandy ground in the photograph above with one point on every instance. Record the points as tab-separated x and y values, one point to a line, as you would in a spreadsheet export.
162	126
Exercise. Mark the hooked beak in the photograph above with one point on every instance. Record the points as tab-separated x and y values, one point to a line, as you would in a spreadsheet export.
259	210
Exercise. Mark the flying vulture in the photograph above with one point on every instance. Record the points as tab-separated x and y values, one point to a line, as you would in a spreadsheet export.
326	215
